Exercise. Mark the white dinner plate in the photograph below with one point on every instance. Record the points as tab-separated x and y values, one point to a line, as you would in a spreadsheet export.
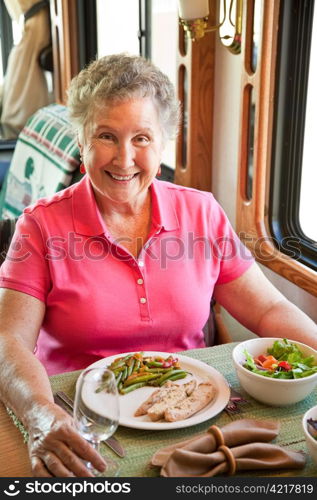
199	370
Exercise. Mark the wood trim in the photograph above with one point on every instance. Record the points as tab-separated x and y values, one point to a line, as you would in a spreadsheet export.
65	45
199	63
252	215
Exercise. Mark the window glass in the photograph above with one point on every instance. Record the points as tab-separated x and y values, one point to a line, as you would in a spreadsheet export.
117	26
17	31
250	144
256	33
1	64
308	199
164	49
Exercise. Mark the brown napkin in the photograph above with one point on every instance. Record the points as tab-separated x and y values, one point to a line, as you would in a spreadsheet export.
237	432
209	454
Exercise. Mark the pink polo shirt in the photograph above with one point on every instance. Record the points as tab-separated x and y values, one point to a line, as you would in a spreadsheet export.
102	301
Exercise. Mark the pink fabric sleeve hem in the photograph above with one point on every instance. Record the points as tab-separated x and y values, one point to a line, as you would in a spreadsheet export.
238	271
14	285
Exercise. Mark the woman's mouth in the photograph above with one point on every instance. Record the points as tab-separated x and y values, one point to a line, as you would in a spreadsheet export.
121	178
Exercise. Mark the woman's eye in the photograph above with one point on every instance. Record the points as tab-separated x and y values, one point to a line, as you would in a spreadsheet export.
141	139
106	137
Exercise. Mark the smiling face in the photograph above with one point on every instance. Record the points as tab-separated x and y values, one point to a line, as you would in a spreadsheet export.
122	150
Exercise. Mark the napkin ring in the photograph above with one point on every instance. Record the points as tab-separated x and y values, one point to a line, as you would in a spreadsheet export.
230	459
217	434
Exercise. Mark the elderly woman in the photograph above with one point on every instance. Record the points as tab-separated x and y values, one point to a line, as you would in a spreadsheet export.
120	261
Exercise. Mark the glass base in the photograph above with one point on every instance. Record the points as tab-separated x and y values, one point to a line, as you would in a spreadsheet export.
112	469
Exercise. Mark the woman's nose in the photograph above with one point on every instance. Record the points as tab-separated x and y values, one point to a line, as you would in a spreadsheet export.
124	156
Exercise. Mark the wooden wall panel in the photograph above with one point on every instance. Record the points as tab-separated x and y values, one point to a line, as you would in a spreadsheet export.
65	45
199	63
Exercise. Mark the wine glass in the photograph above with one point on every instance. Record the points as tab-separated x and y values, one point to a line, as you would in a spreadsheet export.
96	411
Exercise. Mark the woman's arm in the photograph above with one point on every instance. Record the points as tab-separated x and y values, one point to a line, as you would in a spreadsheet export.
54	445
259	306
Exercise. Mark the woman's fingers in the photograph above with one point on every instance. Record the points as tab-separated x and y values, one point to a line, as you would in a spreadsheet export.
60	452
38	468
86	452
74	463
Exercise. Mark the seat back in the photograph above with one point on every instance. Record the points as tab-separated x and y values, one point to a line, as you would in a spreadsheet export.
46	159
7	227
215	330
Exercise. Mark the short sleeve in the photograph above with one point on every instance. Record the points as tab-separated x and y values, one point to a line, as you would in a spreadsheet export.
234	256
25	268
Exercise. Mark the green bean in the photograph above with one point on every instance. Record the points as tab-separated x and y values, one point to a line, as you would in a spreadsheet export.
145	371
141	378
175	377
132	387
167	376
124	374
116	371
131	364
137	365
127	357
118	378
158	370
154	363
116	364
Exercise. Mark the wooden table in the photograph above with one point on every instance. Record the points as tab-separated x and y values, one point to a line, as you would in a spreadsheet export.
14	460
141	444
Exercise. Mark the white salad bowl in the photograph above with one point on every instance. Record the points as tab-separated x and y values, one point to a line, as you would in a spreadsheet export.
272	391
310	441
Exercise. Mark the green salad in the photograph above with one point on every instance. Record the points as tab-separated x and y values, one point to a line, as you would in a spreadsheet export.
283	360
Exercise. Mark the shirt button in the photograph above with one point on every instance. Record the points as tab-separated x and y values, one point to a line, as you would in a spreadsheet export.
141	263
140	281
143	300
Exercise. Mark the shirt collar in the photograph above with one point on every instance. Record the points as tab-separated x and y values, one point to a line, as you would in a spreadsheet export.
85	210
88	222
163	209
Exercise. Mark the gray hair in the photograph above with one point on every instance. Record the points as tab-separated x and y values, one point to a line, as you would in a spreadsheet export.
121	77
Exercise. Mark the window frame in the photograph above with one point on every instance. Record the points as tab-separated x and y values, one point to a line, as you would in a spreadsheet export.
6	34
294	44
145	28
253	220
87	22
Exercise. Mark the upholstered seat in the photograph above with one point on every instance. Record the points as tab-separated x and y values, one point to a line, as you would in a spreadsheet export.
7	227
46	159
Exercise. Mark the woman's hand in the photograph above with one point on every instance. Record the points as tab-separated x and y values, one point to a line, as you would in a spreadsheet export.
55	447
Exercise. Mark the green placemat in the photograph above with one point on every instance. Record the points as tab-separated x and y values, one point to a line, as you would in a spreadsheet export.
140	445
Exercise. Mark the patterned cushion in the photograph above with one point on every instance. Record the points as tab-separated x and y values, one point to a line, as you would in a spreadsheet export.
44	160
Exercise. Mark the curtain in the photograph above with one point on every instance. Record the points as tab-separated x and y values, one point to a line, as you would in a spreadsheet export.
25	87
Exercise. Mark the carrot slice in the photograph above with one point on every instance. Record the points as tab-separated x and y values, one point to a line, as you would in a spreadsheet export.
270	360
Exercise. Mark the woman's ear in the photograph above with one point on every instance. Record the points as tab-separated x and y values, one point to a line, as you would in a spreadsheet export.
80	144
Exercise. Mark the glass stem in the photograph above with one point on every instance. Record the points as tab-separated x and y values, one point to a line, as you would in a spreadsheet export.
96	446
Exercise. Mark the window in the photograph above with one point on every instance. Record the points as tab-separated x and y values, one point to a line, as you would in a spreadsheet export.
149	28
6	38
117	26
293	183
164	49
308	201
270	220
